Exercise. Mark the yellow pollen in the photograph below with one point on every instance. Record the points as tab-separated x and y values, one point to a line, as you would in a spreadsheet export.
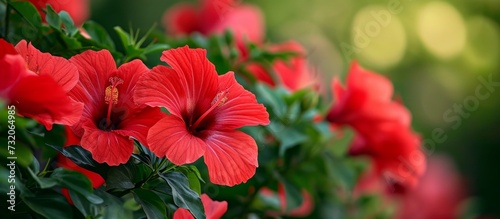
111	94
217	99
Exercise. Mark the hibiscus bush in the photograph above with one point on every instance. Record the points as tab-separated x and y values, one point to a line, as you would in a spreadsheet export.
207	120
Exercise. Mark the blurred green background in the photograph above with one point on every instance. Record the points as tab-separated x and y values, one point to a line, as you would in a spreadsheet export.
439	54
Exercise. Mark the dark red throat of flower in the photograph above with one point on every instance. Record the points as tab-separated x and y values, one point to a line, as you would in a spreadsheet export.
111	97
218	100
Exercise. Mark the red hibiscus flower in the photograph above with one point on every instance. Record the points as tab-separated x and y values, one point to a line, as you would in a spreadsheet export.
294	74
396	156
382	126
110	117
206	110
77	9
36	84
439	195
213	209
214	17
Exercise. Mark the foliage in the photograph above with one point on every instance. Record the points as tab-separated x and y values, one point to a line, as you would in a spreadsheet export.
296	151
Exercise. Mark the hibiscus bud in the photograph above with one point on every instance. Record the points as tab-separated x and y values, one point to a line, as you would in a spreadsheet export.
233	53
310	100
229	37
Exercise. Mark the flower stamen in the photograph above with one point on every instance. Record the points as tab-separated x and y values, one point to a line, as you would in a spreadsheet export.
111	96
219	100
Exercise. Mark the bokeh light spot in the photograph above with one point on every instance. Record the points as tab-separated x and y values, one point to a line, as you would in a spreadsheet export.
379	37
441	29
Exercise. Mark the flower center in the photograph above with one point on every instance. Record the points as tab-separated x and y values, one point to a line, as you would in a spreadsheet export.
218	100
111	97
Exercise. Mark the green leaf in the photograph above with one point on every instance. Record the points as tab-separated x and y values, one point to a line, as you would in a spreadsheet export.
156	48
338	170
293	112
69	25
272	98
324	130
49	204
132	205
53	18
158	185
77	182
151	203
99	34
82	204
288	136
195	170
342	142
35	165
194	182
142	158
113	207
199	40
28	11
124	36
23	153
43	182
82	158
119	178
146	156
183	196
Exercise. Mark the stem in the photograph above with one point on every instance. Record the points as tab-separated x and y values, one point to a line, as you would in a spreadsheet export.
147	179
46	165
154	173
108	116
161	163
169	168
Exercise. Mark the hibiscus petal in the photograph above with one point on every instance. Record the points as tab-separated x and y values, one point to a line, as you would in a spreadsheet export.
396	153
231	157
404	170
137	125
390	114
213	209
182	213
376	87
160	88
40	98
245	21
13	70
181	19
260	73
340	107
106	147
169	137
60	69
6	48
213	12
241	107
94	69
130	73
196	76
71	137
